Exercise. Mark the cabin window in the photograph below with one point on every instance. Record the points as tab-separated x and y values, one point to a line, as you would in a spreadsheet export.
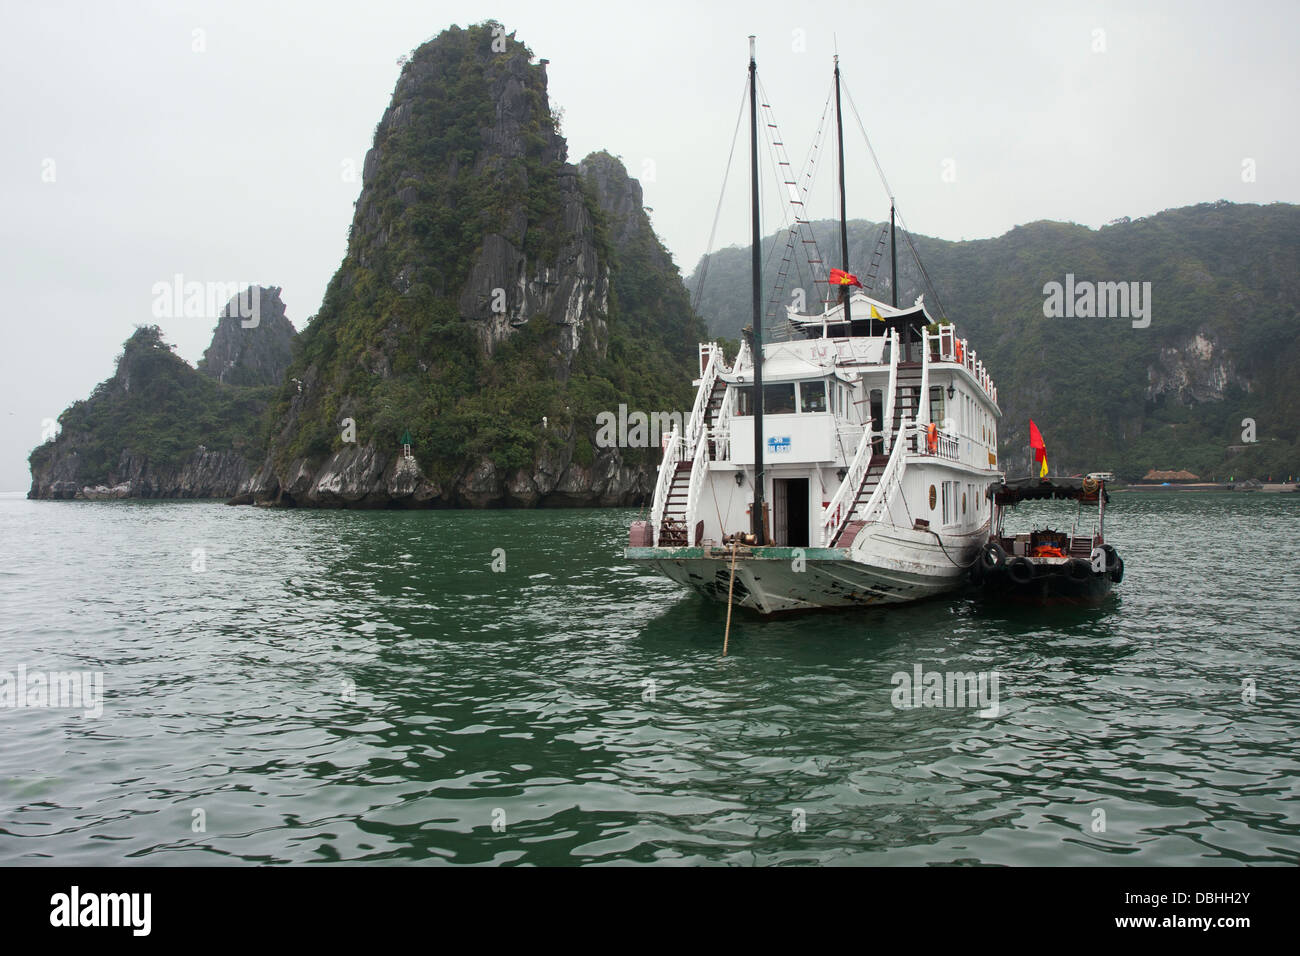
950	489
812	397
936	404
778	399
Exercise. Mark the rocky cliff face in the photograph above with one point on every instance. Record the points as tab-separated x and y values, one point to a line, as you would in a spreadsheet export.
1195	369
251	349
474	310
494	300
620	198
365	477
204	474
157	429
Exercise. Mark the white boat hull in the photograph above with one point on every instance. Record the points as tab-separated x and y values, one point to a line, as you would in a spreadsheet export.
886	565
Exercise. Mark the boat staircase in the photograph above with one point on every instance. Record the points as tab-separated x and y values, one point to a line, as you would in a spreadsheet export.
712	411
686	457
672	529
673	532
870	480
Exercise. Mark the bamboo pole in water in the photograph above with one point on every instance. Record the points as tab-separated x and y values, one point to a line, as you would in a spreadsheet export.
730	587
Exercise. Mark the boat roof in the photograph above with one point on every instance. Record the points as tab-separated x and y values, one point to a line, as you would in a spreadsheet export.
1032	488
801	359
886	317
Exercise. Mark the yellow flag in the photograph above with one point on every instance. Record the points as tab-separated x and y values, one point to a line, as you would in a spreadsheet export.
874	313
1042	472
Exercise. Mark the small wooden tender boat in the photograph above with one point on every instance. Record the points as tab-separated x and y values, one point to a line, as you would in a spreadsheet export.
1046	566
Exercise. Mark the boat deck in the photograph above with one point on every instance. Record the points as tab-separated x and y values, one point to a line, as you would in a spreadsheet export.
1026	545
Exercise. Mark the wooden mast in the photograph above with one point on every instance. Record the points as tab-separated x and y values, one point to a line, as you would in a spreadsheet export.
756	514
845	290
893	256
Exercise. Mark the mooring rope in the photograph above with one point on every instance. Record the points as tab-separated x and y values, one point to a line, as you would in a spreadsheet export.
730	589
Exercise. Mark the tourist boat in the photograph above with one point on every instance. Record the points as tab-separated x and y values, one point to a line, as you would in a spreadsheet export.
871	432
1046	566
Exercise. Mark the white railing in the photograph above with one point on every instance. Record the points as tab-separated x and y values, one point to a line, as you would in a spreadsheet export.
847	436
722	430
888	425
947	333
892	473
836	514
952	349
699	468
744	358
947	447
667	468
695	427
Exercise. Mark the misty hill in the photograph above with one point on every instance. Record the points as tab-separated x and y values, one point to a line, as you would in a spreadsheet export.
158	428
493	299
1223	342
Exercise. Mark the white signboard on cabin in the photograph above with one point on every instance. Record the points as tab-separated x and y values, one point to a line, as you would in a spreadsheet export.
789	439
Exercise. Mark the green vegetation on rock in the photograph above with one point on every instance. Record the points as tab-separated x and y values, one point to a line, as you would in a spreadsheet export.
1223	344
468	160
158	407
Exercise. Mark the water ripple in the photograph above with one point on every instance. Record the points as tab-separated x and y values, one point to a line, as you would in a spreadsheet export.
345	687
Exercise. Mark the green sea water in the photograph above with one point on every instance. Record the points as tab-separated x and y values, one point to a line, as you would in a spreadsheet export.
324	686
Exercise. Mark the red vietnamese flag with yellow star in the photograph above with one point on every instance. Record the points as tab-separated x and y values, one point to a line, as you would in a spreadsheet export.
840	277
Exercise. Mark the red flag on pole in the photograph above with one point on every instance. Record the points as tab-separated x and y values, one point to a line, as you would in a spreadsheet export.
840	277
1039	446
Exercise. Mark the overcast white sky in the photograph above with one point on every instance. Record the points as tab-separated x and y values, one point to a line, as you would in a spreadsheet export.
229	164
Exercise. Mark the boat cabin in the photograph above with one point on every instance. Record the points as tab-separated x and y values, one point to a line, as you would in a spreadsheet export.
839	396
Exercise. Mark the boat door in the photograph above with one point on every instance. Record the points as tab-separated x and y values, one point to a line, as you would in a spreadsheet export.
877	420
790	514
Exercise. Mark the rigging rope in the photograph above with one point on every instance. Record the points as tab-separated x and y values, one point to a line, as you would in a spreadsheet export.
717	215
793	191
907	232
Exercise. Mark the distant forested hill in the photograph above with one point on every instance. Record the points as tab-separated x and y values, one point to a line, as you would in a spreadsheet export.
1223	343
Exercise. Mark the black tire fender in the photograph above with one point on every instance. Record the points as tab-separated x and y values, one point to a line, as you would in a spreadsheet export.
1020	570
992	557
